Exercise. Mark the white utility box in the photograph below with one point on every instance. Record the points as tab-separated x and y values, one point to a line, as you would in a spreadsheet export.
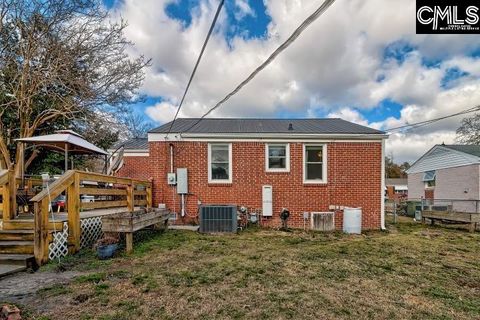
267	202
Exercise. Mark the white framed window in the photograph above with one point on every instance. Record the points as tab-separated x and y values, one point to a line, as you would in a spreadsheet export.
220	163
277	157
314	163
429	178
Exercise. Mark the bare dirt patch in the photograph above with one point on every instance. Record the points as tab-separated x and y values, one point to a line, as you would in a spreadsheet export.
22	288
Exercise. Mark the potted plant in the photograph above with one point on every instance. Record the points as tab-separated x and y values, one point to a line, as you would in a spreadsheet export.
106	247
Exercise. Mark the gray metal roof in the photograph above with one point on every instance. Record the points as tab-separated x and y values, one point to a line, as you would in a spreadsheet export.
133	144
470	149
246	125
396	181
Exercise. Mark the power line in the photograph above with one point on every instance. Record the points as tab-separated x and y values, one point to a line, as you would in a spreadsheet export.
323	7
428	122
220	5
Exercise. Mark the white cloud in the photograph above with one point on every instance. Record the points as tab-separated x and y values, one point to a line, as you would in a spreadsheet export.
349	115
161	112
333	66
244	9
412	146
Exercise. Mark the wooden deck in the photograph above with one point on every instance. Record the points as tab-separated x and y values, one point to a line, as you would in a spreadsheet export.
31	234
130	222
63	216
472	219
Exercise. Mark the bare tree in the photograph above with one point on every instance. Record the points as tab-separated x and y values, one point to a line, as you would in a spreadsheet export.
60	59
469	130
136	125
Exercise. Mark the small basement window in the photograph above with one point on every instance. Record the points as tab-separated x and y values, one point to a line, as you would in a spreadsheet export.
220	163
314	170
277	157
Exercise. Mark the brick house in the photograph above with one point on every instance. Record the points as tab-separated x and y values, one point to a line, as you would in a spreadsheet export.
135	158
311	165
396	188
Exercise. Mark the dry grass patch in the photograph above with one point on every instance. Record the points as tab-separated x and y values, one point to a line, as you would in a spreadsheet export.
416	272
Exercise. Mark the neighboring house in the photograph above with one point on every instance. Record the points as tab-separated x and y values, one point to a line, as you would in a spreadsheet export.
447	172
135	158
396	188
309	165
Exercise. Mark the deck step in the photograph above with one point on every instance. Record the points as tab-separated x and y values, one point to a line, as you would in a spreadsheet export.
18	224
6	269
25	260
21	247
12	235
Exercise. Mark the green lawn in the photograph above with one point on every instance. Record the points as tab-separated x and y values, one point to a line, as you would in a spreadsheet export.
411	271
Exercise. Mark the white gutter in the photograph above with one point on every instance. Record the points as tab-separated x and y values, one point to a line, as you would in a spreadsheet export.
382	190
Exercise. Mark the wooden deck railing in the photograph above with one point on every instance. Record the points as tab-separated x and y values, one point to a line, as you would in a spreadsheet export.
8	192
108	192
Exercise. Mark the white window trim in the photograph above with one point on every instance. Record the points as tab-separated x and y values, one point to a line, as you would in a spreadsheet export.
324	162
230	164
287	157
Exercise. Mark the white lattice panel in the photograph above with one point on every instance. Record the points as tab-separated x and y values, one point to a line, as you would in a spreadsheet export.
58	248
91	231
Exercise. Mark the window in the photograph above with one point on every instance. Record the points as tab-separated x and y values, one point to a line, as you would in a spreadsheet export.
220	163
277	157
314	158
429	178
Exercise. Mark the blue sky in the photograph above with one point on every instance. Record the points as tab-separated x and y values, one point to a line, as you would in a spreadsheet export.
352	63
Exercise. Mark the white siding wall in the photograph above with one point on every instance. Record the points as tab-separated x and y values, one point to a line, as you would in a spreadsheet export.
452	183
416	187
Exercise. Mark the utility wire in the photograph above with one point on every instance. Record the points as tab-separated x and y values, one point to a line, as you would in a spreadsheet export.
220	5
323	7
427	122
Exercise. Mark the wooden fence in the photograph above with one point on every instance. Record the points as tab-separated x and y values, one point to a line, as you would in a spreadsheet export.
106	191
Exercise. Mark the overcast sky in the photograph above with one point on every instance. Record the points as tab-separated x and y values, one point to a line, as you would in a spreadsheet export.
360	61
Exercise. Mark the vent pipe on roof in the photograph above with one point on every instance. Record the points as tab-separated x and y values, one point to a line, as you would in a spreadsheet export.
290	127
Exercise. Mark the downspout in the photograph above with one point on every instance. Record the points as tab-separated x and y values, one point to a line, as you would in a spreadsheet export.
171	171
171	157
382	204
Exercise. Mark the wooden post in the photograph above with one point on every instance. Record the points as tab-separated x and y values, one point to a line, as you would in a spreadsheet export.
12	185
149	197
41	231
6	202
129	241
10	197
130	198
73	214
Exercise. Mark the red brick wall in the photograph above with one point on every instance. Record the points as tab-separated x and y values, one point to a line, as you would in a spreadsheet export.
354	179
135	167
429	194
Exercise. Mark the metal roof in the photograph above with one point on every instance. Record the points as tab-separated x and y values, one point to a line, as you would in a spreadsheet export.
246	125
57	141
133	144
396	181
470	149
